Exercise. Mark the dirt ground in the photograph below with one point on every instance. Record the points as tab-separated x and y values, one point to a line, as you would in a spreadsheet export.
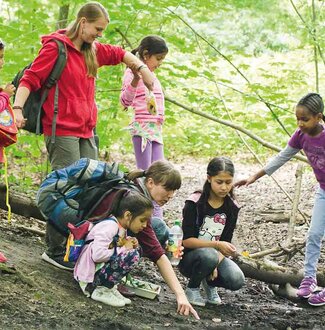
39	296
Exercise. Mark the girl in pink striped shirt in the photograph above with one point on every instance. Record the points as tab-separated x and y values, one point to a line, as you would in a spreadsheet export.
146	127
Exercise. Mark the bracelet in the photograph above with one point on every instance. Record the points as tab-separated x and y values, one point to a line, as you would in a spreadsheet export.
142	66
18	107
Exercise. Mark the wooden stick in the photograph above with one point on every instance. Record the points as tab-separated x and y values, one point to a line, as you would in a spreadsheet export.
292	221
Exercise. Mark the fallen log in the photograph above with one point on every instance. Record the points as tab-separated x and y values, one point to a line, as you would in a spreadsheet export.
286	291
265	272
20	204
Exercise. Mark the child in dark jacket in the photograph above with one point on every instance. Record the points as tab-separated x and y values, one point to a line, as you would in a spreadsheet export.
209	220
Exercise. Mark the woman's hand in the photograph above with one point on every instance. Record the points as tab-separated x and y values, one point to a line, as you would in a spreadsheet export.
9	89
184	307
19	118
226	248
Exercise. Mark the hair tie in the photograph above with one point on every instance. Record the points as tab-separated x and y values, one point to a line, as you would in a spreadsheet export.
144	173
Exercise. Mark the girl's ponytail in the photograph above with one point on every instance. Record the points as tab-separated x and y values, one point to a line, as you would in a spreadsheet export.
135	50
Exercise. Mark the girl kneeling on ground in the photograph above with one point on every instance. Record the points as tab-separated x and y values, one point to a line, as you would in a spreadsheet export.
110	254
209	220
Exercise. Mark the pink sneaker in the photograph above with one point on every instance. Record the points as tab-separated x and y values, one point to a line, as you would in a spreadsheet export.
317	299
307	287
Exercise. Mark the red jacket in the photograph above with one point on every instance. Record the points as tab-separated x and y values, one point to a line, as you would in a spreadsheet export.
77	115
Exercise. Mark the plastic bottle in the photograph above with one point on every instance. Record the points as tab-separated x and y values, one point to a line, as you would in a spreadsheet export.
174	243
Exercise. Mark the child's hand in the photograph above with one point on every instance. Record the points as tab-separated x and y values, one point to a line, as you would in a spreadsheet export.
136	78
225	248
9	89
129	244
214	274
131	241
245	182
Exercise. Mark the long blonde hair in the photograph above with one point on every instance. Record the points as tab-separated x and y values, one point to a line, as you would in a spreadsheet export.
92	11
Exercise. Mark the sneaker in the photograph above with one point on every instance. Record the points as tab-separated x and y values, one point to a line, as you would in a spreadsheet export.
317	299
127	301
194	296
307	286
126	292
83	286
107	296
212	294
58	262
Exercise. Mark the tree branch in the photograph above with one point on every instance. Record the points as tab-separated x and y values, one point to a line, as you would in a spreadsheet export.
232	125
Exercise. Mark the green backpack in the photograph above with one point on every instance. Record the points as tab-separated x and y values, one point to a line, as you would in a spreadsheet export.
33	107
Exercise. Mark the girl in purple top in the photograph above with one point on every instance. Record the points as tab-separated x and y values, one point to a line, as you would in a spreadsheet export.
146	127
310	137
110	253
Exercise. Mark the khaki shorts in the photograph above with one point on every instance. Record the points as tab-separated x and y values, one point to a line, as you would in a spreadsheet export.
68	149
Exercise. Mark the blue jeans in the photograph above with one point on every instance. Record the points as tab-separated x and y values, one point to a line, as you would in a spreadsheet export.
200	263
161	230
315	234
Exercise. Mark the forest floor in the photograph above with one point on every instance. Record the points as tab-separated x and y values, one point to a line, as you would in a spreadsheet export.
39	296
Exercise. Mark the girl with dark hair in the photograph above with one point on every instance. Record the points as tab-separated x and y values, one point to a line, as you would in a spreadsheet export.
110	254
77	110
146	127
209	220
309	137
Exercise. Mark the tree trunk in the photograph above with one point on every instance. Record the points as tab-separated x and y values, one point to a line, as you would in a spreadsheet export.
258	270
63	17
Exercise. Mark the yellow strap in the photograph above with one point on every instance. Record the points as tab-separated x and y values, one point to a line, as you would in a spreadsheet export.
7	185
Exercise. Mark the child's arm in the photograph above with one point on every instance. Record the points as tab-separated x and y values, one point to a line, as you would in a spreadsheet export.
274	164
227	249
103	234
129	88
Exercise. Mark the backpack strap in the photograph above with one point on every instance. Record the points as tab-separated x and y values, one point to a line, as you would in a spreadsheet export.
50	82
115	238
194	197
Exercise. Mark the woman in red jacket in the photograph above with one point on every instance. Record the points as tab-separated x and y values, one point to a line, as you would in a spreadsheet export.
77	114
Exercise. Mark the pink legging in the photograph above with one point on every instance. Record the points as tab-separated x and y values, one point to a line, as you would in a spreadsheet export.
153	151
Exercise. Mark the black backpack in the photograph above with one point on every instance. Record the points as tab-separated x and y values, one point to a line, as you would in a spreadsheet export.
33	106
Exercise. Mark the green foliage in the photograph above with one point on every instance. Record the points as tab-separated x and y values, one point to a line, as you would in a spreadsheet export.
235	60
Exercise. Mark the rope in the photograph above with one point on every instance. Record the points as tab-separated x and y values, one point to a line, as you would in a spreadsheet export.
7	185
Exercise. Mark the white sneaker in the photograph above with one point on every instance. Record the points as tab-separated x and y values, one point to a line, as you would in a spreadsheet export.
107	296
83	286
117	293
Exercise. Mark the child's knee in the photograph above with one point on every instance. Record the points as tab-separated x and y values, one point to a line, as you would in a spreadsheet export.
236	281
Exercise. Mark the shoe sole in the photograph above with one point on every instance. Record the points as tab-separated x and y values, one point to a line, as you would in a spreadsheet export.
46	258
103	301
214	302
197	304
308	296
316	304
